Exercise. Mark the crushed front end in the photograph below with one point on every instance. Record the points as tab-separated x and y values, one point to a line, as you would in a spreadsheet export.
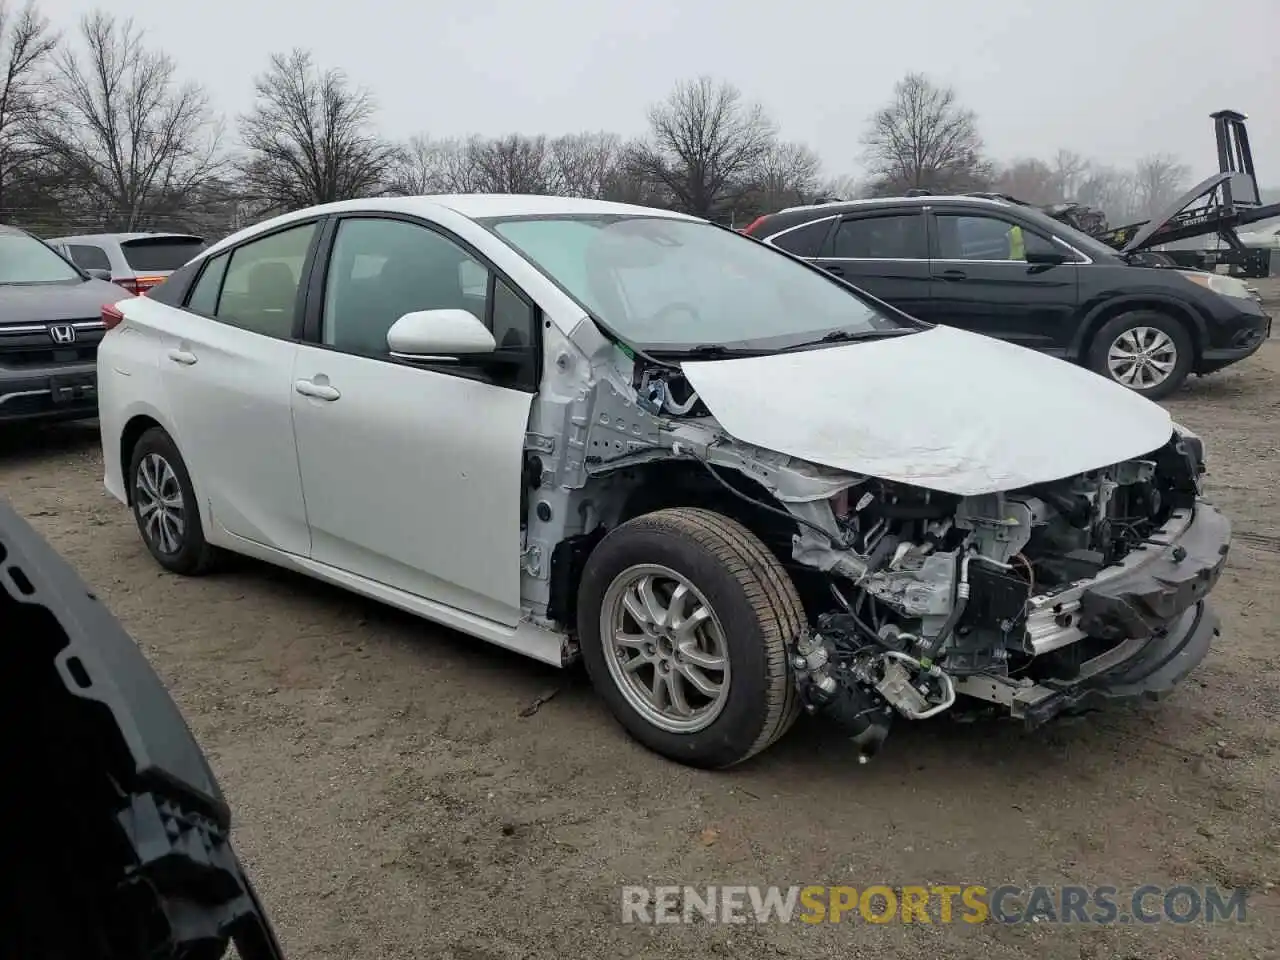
1035	602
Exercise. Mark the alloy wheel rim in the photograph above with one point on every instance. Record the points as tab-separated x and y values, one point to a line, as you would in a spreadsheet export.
161	509
1142	357
665	648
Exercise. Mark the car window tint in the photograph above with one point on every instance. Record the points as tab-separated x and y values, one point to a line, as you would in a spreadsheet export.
260	291
160	254
87	257
899	237
204	297
417	269
970	237
803	241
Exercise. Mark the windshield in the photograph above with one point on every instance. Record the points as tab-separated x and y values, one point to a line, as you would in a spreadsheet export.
24	259
664	284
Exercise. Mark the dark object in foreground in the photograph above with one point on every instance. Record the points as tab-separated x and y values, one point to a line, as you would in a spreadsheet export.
117	839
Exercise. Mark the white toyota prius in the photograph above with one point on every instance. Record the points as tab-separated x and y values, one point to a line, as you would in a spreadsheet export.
735	486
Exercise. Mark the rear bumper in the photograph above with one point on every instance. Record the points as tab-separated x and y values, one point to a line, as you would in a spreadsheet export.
1150	626
63	392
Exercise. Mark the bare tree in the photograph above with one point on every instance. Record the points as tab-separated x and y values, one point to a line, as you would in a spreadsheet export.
1069	169
27	42
511	164
1109	190
1030	180
130	140
788	174
705	143
1157	181
418	168
309	140
925	139
586	164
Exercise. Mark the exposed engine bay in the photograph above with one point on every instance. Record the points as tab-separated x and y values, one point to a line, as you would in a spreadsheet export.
942	589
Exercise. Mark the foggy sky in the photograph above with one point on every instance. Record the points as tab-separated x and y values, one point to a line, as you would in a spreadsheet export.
1111	79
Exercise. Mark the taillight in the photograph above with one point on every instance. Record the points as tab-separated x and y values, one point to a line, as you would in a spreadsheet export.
138	286
111	316
751	227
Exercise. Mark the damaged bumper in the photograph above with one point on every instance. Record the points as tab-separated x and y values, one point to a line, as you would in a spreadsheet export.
1150	624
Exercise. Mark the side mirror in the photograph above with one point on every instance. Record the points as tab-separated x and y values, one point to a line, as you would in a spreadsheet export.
1048	256
99	274
434	334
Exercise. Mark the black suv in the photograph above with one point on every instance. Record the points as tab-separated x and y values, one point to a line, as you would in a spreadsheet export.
1013	272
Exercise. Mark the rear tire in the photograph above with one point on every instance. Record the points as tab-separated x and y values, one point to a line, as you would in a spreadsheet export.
720	597
1148	352
165	506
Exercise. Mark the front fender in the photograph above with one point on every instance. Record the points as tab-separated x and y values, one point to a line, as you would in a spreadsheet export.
1109	306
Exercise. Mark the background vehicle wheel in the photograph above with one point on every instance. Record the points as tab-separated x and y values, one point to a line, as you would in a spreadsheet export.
1148	352
164	506
685	623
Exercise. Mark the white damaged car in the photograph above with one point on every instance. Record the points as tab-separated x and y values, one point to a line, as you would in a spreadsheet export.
734	486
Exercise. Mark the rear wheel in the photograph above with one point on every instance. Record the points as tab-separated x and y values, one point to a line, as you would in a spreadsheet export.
165	506
1149	352
686	620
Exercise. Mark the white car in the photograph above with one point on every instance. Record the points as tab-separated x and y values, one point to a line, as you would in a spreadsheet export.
733	485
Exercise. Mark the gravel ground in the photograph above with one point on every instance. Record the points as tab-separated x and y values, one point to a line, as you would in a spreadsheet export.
392	800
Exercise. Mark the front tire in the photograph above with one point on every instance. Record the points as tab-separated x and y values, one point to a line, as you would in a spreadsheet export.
1149	352
685	623
165	506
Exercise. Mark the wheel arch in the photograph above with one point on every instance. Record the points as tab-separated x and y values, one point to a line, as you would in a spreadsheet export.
1110	309
666	484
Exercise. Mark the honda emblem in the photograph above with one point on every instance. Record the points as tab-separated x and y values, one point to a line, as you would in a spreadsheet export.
63	333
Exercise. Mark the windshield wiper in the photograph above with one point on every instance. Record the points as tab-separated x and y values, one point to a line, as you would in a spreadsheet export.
849	336
707	351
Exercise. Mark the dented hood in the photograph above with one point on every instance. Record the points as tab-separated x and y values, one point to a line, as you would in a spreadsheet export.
942	409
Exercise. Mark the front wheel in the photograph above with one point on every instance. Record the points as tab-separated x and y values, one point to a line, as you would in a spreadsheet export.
685	623
1150	353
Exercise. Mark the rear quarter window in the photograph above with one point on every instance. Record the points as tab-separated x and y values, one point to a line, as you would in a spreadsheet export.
88	257
161	253
805	241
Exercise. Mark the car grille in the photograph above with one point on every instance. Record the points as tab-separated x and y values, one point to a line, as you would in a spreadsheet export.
32	344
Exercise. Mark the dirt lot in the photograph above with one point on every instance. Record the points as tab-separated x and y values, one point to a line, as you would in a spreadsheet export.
393	802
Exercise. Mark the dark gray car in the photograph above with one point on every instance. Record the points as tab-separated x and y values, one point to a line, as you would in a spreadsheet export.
50	327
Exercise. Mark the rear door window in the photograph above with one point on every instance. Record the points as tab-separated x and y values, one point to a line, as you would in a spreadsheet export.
160	254
891	237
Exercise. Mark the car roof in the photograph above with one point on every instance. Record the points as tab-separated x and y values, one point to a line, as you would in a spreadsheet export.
473	206
841	206
122	237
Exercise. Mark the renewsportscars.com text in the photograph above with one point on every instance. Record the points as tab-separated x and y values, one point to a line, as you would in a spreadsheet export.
968	903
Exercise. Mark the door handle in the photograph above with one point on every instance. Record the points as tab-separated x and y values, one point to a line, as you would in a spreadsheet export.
834	269
320	391
184	357
953	275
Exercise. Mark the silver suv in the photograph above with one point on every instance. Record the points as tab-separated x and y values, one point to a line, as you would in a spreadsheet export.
137	261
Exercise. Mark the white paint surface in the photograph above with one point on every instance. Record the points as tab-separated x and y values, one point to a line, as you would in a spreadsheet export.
943	409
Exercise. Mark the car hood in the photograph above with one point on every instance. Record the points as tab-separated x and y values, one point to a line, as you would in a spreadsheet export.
941	409
52	302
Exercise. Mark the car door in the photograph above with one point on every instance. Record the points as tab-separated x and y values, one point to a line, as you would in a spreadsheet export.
981	281
227	362
412	471
884	253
